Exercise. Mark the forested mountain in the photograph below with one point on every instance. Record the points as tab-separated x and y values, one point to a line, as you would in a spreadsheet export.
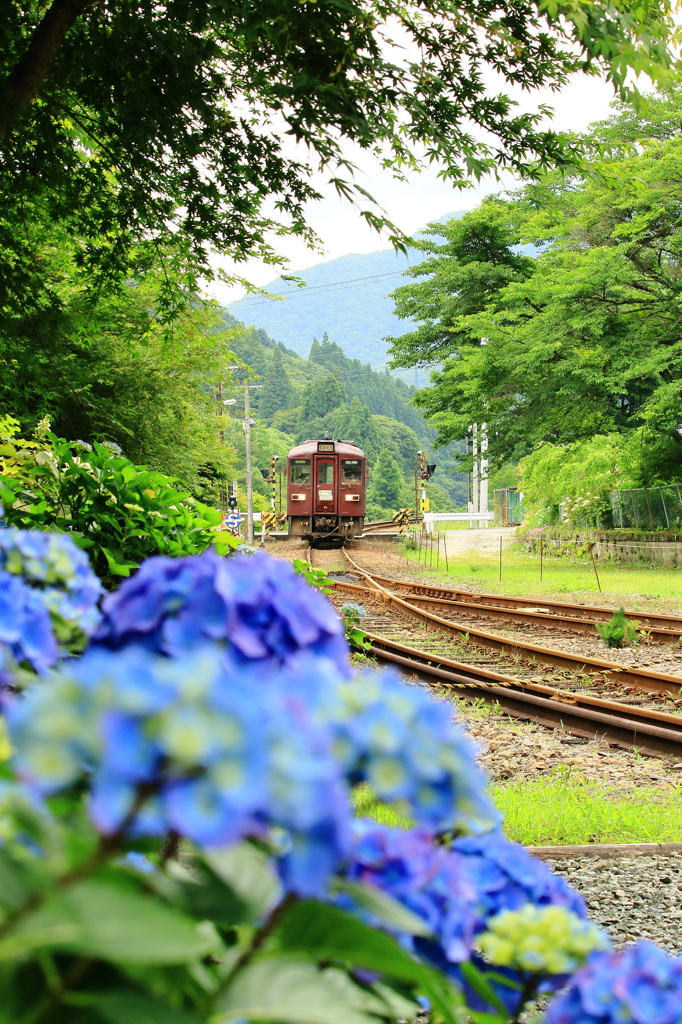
348	297
328	392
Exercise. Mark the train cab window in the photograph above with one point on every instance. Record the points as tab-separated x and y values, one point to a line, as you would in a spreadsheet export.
300	471
351	471
325	473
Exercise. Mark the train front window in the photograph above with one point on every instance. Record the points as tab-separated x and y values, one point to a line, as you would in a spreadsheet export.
351	471
325	474
300	471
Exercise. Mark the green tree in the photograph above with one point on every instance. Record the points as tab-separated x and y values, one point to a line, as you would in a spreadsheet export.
111	371
584	341
277	391
321	397
354	422
158	129
387	482
477	260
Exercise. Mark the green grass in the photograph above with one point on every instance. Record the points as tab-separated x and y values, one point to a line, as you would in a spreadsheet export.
559	811
563	810
637	587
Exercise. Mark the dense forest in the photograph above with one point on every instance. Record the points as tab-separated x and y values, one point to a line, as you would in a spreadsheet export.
295	399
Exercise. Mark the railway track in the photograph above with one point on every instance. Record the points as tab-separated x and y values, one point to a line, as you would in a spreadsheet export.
651	731
647	729
419	606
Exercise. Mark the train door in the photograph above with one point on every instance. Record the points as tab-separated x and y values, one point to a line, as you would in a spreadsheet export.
325	485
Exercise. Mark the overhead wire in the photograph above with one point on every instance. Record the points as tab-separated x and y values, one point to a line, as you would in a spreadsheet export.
240	304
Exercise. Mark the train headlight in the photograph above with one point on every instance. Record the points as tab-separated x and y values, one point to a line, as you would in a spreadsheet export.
298	497
352	497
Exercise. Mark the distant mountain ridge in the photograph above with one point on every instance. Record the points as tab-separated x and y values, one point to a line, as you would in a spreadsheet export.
346	297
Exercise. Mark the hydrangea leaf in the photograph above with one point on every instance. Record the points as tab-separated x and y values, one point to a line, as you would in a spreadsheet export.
286	990
104	920
325	932
383	906
248	873
125	1006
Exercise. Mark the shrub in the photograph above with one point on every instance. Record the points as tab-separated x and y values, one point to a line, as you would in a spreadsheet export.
177	841
120	513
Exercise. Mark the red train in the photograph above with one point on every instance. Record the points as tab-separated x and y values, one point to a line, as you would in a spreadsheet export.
326	488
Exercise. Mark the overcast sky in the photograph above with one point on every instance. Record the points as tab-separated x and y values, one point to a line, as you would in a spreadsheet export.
411	204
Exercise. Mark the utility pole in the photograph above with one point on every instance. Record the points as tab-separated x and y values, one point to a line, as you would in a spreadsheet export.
483	499
474	444
249	474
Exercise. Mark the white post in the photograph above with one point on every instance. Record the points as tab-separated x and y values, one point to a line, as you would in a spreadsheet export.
483	499
249	475
474	488
484	472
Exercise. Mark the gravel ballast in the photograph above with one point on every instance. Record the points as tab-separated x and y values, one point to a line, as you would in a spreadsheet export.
636	897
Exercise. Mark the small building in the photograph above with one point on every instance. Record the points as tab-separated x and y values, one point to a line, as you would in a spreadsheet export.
508	506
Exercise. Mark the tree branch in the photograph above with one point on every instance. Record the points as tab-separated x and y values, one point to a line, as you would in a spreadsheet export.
23	83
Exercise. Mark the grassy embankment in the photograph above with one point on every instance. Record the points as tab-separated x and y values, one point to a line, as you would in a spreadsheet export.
564	809
566	579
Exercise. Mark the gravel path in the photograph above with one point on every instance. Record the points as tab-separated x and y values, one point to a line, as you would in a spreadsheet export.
632	897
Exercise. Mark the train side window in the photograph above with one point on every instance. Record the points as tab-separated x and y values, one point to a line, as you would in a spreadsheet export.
300	471
325	473
351	471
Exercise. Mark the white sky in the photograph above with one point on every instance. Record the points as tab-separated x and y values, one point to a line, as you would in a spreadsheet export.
410	204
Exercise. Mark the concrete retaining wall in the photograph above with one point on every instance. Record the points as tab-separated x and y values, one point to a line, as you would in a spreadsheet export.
610	545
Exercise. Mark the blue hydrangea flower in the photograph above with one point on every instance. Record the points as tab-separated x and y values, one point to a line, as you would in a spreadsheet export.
258	608
639	985
26	634
506	877
354	609
218	750
114	448
58	571
403	741
427	878
191	744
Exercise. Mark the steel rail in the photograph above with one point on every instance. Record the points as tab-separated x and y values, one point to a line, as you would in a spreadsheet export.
645	679
534	616
579	714
528	616
589	612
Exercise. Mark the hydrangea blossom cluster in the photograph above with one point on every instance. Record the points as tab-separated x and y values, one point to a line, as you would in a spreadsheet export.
452	894
402	741
217	750
258	608
547	940
46	586
507	877
639	985
427	879
352	608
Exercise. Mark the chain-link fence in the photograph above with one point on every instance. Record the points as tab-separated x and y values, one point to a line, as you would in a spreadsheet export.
647	508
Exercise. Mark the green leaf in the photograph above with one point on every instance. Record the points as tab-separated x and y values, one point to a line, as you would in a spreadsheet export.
118	568
387	909
129	1007
103	920
248	873
482	987
326	933
286	990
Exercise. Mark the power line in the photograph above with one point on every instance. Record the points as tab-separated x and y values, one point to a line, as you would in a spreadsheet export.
330	286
